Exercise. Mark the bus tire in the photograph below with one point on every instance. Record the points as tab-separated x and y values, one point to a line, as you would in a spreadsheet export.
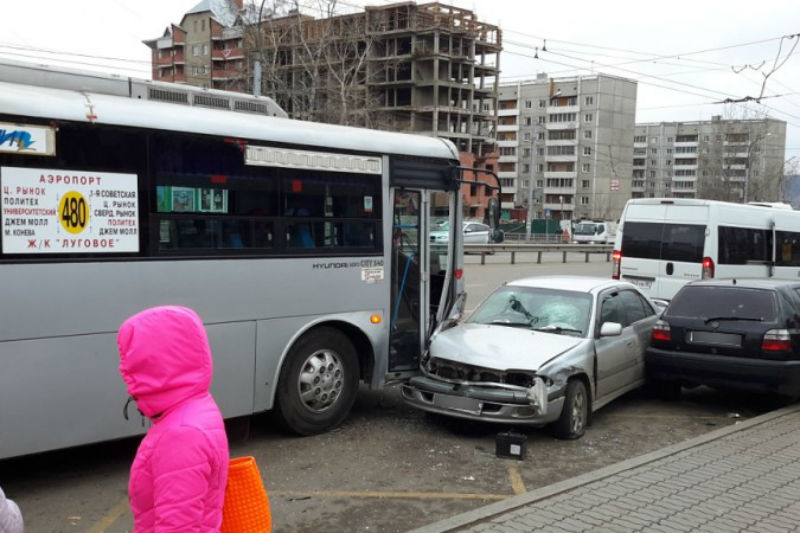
318	382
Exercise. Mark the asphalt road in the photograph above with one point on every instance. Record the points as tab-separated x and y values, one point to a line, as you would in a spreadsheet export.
387	468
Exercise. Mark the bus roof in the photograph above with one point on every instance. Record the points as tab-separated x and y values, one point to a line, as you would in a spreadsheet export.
701	202
82	106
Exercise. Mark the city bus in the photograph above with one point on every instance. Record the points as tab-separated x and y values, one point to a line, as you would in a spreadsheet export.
304	247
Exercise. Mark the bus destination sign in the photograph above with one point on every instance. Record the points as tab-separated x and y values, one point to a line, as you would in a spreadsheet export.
68	211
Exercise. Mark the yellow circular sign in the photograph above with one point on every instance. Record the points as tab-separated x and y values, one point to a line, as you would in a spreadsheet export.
74	212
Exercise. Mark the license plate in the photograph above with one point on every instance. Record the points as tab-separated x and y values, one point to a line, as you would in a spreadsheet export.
711	338
458	403
642	283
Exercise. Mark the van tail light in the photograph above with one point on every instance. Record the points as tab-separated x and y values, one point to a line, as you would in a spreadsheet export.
616	264
661	332
777	340
708	268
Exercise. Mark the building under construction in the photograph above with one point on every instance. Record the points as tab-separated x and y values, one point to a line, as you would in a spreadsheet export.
429	69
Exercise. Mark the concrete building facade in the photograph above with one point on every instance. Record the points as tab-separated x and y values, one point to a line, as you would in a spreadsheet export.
571	139
736	160
429	69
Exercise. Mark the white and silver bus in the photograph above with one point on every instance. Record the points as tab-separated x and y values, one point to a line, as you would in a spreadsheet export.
302	246
664	243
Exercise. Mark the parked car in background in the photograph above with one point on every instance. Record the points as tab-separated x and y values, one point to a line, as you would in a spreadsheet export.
539	351
474	233
742	334
594	232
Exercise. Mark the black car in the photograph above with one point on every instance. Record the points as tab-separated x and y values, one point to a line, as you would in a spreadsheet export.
740	334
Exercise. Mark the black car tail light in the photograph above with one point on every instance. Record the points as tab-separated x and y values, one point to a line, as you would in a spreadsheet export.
777	340
708	268
661	332
616	264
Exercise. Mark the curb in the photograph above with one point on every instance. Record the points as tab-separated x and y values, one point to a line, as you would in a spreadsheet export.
514	502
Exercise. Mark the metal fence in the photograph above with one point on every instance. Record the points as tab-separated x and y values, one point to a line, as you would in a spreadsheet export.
539	249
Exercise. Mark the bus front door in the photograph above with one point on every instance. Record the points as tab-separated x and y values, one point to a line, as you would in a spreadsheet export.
422	266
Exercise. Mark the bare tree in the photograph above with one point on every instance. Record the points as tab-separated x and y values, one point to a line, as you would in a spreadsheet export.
316	68
737	167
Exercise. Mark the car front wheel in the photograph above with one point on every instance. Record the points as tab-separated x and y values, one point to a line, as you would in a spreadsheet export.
575	413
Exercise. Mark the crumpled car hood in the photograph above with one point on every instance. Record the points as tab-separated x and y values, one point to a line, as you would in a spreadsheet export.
500	347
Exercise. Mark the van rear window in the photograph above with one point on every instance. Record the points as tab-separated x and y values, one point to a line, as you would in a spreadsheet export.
668	242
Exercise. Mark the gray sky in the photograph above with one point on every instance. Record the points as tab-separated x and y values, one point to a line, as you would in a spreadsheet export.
671	48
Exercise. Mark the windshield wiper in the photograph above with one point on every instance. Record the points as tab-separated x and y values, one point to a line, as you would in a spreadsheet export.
743	318
510	324
558	329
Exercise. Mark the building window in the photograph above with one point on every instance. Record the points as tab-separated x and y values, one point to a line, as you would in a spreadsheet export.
587	134
705	138
205	49
585	184
486	107
541	120
669	150
652	162
528	104
669	162
653	150
195	26
540	136
528	121
526	136
652	173
540	183
586	167
526	168
195	50
669	139
541	169
540	151
587	150
587	117
640	139
203	25
542	103
589	100
584	200
654	140
526	152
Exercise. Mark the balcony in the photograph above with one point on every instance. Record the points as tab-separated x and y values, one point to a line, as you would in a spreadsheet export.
684	178
507	174
222	74
561	125
561	142
507	127
563	109
507	159
561	158
163	61
557	206
508	112
685	167
559	190
228	54
507	143
687	144
561	174
640	145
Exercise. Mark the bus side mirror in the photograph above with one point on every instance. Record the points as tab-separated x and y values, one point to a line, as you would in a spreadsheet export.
493	209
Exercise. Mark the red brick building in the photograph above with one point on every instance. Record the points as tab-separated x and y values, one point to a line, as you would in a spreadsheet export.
475	197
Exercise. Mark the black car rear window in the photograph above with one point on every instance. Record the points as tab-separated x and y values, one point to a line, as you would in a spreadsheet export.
729	303
669	242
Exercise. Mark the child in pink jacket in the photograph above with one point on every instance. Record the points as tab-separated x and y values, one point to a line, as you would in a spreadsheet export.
180	471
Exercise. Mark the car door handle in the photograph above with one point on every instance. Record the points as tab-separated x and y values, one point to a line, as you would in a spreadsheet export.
630	343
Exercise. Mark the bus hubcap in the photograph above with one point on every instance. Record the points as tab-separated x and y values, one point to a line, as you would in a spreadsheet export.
321	380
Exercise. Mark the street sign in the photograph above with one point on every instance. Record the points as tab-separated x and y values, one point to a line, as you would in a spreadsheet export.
547	213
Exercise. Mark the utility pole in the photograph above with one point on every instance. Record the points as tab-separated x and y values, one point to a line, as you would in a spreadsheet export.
531	181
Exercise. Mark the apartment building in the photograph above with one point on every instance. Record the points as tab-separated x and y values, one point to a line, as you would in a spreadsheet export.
429	69
206	49
571	139
736	160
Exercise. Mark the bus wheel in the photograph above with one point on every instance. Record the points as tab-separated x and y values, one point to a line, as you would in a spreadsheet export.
318	382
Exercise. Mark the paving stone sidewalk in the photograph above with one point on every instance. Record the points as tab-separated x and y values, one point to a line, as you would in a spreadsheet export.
742	478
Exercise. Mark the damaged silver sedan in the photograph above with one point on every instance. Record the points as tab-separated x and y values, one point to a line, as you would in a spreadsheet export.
539	351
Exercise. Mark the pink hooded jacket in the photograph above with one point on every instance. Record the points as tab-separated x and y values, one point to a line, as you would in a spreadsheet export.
180	471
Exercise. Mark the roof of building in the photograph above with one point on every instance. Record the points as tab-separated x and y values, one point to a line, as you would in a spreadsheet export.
225	11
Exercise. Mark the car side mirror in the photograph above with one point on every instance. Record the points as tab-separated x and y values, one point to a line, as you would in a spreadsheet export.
611	329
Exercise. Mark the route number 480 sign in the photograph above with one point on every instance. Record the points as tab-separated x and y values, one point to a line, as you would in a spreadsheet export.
74	213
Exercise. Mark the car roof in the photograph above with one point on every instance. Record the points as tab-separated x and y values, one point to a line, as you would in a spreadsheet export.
747	283
569	283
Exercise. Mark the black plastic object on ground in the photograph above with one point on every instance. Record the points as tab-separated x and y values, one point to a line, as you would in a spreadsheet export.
510	445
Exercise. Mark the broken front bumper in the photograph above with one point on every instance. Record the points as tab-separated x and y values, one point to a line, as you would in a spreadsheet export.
475	402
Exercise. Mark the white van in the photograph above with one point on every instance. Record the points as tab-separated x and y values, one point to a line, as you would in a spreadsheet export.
594	232
663	243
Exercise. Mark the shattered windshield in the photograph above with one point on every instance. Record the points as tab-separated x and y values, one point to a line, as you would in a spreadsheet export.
553	311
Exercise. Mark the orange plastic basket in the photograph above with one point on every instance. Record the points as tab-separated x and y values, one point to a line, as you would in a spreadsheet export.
246	508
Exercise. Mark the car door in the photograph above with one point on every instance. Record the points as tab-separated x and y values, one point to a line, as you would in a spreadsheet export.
471	236
641	316
616	356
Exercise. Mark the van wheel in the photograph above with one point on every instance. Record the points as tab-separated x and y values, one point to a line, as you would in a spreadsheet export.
318	382
575	413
